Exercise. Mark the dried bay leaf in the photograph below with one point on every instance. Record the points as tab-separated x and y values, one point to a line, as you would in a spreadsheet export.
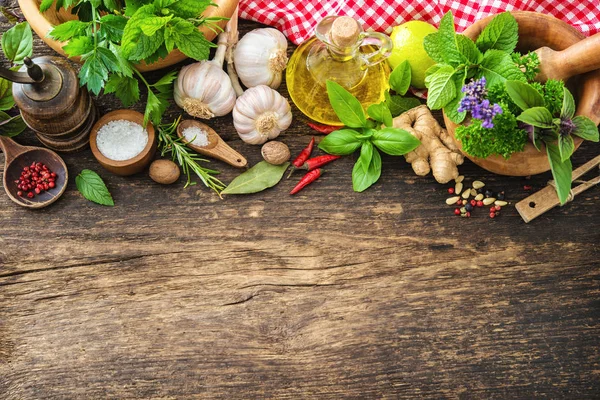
258	178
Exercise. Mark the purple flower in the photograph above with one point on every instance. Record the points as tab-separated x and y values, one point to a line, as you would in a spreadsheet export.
475	102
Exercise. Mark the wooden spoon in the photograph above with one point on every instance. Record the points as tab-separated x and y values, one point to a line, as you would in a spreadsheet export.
579	58
215	148
16	157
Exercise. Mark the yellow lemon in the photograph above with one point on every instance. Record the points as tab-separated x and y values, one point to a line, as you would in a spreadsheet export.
408	45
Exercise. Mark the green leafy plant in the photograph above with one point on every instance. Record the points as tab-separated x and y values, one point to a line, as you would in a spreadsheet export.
17	43
170	143
458	58
110	38
395	102
92	187
554	130
258	178
364	134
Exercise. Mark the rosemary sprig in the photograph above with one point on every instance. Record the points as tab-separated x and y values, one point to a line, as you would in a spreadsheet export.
169	142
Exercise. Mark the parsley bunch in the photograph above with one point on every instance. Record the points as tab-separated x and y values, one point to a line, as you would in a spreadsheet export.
110	38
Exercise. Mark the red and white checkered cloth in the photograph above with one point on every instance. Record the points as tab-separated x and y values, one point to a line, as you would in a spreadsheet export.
297	18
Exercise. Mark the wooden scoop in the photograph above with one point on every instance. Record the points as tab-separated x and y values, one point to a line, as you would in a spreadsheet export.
215	148
579	58
16	157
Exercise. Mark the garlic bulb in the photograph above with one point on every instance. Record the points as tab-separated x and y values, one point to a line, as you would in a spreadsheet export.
260	57
260	114
204	90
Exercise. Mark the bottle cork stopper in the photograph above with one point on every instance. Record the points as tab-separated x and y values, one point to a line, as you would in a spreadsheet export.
344	31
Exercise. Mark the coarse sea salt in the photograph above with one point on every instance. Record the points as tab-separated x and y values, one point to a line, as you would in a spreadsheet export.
121	140
196	136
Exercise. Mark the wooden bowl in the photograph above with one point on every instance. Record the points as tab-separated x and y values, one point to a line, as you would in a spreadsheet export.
537	30
42	23
135	164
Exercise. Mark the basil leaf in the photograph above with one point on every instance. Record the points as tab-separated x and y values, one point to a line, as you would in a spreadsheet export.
585	128
441	88
341	142
566	147
366	154
92	187
395	141
568	105
524	95
380	112
6	100
11	126
346	106
362	180
125	88
258	178
68	30
17	43
400	78
561	172
501	34
537	116
398	104
498	66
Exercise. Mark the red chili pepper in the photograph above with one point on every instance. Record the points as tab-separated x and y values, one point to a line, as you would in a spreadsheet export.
302	157
310	177
325	129
316	162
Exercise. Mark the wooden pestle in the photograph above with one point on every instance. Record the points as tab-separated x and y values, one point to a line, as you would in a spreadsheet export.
581	57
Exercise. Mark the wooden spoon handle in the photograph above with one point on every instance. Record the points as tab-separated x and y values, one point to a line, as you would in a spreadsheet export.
222	151
582	57
10	149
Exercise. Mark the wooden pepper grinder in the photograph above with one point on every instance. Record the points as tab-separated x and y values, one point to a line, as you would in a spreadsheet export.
52	104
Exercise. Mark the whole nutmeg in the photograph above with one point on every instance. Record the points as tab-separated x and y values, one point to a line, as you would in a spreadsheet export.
164	172
275	152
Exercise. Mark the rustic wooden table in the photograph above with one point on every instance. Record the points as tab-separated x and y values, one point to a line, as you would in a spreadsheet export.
174	293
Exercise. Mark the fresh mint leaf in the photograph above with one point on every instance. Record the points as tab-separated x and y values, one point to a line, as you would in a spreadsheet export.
6	100
135	45
468	49
524	95
381	113
17	43
68	30
362	180
394	141
537	116
151	25
79	46
441	88
451	109
125	88
585	128
448	42
190	8
498	67
93	73
501	34
400	78
398	104
434	47
341	142
562	172
346	106
11	126
366	154
568	105
194	45
566	147
112	27
92	187
145	46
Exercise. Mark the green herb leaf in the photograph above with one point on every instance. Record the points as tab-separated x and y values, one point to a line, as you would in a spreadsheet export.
562	172
398	104
132	6
568	105
125	88
451	109
111	5
45	5
381	113
258	178
194	45
79	46
341	142
67	30
346	106
395	141
501	34
93	73
363	178
537	116
6	100
448	44
166	80
366	154
17	43
125	67
155	107
498	66
468	49
112	27
442	88
151	25
566	147
432	44
109	59
524	95
11	126
585	128
400	78
190	8
92	187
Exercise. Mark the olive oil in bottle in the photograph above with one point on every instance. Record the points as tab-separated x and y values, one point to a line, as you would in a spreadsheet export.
338	53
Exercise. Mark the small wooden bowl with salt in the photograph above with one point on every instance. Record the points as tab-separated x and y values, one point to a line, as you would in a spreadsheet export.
121	144
204	140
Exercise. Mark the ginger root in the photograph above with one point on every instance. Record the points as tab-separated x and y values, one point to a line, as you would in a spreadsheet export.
437	151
